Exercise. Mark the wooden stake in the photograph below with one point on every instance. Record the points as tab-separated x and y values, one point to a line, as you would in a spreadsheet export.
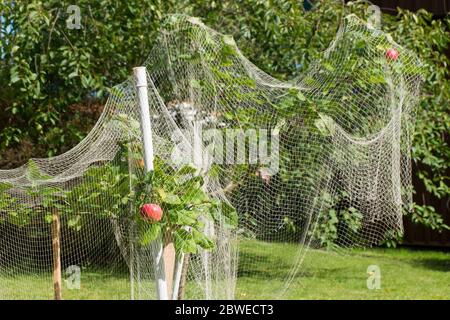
56	246
169	265
177	276
183	280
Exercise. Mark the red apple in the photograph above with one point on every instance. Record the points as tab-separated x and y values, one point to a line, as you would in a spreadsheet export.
392	54
152	212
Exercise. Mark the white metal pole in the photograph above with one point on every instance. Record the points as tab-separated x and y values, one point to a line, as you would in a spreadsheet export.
140	75
177	277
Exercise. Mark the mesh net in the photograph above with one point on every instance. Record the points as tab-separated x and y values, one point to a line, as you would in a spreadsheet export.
246	168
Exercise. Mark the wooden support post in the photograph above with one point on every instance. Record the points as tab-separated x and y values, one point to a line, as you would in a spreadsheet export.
56	246
183	280
169	264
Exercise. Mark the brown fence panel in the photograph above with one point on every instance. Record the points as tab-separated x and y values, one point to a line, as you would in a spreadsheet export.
438	7
418	235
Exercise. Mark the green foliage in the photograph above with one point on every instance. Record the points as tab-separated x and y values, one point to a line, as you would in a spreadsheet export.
179	192
48	199
282	39
185	205
430	39
427	216
7	202
336	221
46	67
392	238
104	191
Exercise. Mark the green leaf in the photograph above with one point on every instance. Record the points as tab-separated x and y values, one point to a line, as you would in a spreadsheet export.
48	218
34	173
184	242
325	124
195	197
230	215
4	187
172	199
187	169
73	74
75	223
196	84
301	96
151	233
183	217
202	240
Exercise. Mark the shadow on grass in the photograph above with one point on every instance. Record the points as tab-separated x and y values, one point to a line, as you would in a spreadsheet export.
433	264
264	268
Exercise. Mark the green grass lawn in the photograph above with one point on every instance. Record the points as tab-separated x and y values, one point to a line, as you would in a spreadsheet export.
405	274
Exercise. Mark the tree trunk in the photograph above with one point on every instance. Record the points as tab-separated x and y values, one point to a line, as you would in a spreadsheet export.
56	246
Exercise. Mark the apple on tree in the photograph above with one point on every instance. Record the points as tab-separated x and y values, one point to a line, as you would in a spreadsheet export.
392	54
151	212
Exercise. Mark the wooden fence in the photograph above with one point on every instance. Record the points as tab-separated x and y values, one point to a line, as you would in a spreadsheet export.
418	235
439	7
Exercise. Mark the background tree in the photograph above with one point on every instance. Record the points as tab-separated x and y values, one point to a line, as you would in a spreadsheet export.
56	79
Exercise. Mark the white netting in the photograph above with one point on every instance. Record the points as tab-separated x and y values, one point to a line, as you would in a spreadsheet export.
245	166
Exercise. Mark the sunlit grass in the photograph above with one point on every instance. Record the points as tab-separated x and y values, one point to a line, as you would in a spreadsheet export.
405	274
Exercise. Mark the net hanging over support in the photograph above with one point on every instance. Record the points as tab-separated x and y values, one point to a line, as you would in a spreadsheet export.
244	168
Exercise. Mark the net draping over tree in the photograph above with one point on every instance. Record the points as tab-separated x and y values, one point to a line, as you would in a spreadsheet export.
242	161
